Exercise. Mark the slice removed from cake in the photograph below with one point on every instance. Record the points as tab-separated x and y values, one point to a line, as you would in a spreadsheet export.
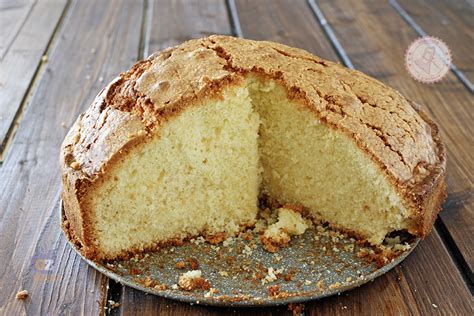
186	141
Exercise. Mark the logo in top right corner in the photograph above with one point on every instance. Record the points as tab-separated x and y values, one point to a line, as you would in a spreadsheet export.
428	59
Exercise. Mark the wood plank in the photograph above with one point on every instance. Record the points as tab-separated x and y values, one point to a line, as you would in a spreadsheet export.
13	14
452	21
437	287
456	229
174	22
137	303
271	20
97	40
377	26
25	43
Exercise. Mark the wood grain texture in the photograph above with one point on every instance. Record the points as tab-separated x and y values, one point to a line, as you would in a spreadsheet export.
97	40
435	282
276	20
382	37
13	14
137	303
174	22
24	40
457	230
453	22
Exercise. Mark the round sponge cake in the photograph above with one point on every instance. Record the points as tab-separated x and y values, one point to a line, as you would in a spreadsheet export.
186	141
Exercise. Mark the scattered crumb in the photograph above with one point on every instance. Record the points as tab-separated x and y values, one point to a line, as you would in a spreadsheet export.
268	245
296	309
260	226
149	282
247	236
289	276
290	222
434	305
274	290
161	287
349	248
211	292
101	79
193	263
272	275
228	242
22	295
44	58
363	252
63	125
395	244
247	251
180	265
198	241
217	238
193	280
401	247
320	285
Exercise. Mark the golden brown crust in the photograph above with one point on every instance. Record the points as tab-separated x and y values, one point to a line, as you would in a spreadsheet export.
382	122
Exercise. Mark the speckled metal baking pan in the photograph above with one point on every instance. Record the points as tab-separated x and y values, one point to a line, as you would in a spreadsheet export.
312	267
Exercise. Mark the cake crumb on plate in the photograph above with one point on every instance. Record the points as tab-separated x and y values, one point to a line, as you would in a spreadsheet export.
290	223
193	280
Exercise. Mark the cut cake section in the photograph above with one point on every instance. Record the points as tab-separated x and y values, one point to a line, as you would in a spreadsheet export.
184	142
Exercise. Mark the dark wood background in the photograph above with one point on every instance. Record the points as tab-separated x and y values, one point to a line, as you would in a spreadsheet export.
56	55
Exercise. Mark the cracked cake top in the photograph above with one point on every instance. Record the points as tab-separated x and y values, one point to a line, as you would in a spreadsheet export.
383	123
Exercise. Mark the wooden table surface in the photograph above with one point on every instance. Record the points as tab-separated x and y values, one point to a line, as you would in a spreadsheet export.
56	55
